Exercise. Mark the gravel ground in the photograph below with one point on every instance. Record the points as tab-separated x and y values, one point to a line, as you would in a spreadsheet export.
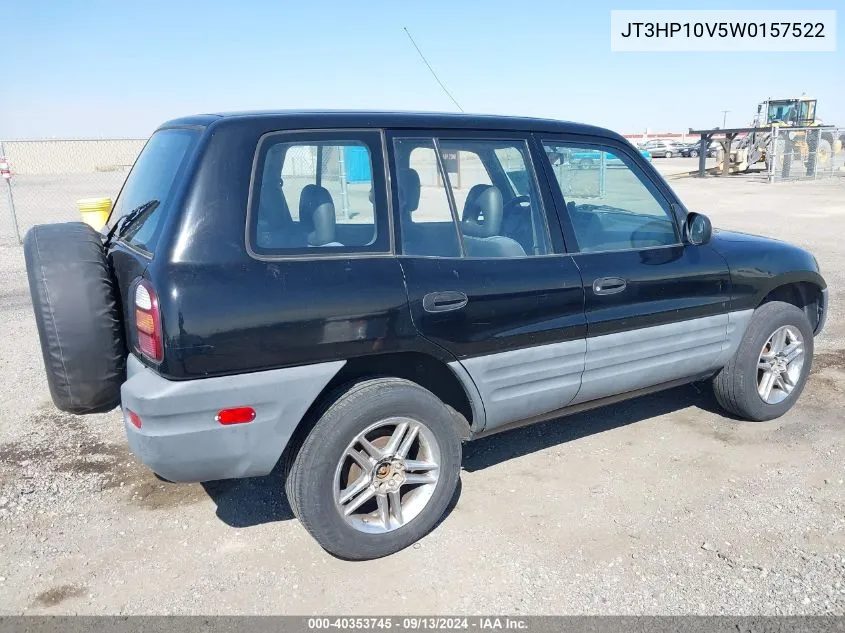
656	506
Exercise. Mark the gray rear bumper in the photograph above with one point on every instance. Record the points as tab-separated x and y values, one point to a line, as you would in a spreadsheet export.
179	437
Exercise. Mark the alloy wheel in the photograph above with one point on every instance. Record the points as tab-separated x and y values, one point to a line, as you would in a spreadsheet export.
780	364
387	475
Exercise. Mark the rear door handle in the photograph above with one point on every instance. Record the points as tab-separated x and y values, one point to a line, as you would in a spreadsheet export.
444	301
609	285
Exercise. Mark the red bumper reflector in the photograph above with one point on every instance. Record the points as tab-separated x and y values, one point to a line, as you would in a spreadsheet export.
134	418
238	415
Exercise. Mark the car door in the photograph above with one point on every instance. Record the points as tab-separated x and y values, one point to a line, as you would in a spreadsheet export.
656	305
485	269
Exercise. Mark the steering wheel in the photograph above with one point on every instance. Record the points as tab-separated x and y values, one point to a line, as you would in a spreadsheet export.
517	223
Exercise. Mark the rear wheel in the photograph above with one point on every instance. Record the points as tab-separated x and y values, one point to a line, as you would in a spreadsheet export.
769	369
668	154
377	471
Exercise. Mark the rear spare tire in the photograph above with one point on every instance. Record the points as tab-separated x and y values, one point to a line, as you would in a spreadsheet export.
78	316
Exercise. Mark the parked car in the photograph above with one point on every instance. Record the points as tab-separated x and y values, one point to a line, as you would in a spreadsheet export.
590	159
246	303
660	148
692	150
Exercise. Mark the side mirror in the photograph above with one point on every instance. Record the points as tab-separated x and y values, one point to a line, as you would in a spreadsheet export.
698	227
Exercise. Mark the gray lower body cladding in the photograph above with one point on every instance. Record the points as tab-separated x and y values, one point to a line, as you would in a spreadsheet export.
627	361
180	438
522	384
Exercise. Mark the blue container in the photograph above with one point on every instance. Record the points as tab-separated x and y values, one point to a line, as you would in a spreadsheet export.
357	160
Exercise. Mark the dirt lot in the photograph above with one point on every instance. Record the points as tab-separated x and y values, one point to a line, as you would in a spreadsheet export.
659	505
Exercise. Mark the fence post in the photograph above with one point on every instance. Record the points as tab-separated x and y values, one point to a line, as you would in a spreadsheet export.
12	212
602	174
11	199
771	155
344	192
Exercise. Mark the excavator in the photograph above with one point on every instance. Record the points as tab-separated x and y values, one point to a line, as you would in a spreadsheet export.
816	149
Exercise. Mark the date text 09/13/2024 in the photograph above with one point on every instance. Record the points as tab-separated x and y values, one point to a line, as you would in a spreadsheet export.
411	623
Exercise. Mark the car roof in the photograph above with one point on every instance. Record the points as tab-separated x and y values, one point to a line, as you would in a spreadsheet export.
288	119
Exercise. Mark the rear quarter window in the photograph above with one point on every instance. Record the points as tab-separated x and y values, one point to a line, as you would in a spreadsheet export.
317	193
156	171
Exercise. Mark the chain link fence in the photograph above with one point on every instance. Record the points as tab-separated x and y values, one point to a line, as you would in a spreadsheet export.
49	176
809	153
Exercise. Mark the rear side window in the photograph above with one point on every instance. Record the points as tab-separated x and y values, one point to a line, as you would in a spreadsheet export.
317	193
478	198
152	178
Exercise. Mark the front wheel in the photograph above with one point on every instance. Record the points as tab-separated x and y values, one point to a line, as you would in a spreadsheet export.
693	153
377	471
767	373
668	154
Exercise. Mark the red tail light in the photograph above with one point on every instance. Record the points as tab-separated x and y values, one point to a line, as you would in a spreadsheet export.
148	322
134	418
238	415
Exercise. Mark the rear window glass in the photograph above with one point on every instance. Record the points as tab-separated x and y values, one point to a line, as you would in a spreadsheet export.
317	193
152	178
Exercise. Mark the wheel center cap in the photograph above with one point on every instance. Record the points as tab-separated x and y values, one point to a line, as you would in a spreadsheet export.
389	475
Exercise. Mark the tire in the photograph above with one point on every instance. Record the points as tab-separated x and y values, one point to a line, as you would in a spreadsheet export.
824	151
693	153
315	470
78	316
783	156
736	385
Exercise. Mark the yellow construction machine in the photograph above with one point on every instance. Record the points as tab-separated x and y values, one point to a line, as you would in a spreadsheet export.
772	142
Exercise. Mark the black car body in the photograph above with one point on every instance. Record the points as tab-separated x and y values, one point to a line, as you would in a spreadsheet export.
455	254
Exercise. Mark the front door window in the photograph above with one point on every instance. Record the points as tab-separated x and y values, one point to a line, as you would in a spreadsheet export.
609	204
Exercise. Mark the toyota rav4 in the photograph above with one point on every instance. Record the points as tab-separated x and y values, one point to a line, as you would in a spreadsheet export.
358	293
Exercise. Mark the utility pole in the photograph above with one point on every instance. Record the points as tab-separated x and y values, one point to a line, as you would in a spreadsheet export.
724	118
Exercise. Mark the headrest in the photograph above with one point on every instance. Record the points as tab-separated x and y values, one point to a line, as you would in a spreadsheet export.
483	211
471	196
409	190
316	215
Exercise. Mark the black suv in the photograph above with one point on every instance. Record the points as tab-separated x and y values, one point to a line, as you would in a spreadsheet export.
357	293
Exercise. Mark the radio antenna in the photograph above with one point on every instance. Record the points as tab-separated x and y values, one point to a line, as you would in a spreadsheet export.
434	74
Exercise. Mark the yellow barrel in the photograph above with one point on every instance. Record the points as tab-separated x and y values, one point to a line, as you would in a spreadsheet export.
95	211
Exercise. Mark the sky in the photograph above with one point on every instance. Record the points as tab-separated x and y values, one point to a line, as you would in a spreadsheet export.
94	69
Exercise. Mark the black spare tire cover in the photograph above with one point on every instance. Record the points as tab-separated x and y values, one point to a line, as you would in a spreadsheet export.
74	296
